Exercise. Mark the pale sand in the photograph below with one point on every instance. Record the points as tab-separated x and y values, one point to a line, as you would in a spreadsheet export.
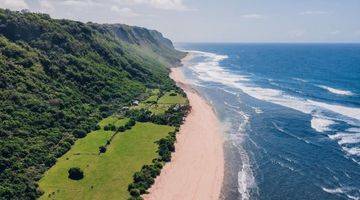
197	167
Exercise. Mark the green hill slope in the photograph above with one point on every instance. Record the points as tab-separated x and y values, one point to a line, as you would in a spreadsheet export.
58	78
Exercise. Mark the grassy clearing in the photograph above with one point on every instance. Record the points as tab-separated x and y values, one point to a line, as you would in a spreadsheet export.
117	121
106	175
172	98
160	105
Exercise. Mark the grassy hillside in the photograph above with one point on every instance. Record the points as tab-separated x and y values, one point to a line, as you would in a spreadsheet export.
121	171
108	175
58	78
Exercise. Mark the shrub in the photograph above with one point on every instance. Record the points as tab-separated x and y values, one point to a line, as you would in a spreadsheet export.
102	149
106	128
79	133
50	161
121	129
135	192
130	124
97	127
112	127
173	94
75	173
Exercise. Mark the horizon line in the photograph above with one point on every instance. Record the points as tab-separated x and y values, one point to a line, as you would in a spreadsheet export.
275	42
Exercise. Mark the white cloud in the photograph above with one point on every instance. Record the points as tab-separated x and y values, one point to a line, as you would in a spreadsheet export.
46	6
252	16
14	4
314	12
125	12
79	3
168	4
160	4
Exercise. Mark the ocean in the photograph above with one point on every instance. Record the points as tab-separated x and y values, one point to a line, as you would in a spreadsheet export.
290	115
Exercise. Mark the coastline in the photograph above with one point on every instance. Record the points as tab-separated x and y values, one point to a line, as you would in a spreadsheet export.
196	170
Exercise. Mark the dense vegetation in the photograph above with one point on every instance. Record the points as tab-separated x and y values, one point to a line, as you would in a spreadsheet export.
58	78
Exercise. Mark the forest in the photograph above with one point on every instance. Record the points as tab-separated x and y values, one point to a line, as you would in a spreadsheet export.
58	78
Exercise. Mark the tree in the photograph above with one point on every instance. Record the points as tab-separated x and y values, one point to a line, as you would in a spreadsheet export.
135	192
75	173
102	149
79	133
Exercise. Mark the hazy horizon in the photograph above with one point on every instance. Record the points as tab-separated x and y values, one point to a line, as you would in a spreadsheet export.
231	21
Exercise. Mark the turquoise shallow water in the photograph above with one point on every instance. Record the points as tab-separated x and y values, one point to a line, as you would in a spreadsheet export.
291	114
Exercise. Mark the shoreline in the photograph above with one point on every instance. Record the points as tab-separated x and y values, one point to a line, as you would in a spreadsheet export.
196	170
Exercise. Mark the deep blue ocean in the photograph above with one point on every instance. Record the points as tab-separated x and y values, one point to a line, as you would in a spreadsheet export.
290	115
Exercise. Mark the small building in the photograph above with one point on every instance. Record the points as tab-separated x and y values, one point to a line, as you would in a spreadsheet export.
135	103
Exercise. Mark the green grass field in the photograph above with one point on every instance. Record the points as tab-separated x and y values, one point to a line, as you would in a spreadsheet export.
106	175
167	98
117	121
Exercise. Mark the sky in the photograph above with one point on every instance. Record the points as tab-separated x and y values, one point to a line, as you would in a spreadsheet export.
216	20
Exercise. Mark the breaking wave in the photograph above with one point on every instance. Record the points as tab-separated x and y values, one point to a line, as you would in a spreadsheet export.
336	91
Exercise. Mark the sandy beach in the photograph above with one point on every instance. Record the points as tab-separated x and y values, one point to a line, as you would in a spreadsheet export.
197	167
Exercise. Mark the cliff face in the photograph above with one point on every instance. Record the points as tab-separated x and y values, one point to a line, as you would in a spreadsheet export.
58	78
150	39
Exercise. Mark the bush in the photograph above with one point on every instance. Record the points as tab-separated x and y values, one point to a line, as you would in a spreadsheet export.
135	192
79	133
75	173
102	149
97	127
50	161
172	94
130	124
112	127
121	129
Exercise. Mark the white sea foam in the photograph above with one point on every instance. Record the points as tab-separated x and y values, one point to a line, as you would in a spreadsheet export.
301	80
333	191
321	124
283	165
354	151
336	91
343	190
346	138
210	70
257	110
246	179
353	129
343	110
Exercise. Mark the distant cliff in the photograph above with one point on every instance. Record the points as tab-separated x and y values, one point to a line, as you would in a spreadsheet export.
151	39
58	78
